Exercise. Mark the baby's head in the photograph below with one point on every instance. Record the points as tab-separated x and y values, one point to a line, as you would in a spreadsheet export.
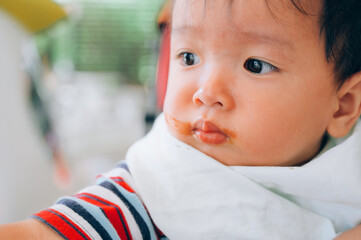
260	83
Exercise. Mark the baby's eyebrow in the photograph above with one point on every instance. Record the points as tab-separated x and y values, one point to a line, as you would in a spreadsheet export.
272	39
242	36
180	30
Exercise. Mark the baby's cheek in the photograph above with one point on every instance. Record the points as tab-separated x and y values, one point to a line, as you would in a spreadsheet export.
266	139
177	98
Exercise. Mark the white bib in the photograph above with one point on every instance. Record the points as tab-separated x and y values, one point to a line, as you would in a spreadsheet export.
192	196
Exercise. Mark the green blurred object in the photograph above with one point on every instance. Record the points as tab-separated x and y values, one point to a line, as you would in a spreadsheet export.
110	36
115	35
35	15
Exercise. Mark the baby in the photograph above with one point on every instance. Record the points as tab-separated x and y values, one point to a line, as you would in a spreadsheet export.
259	92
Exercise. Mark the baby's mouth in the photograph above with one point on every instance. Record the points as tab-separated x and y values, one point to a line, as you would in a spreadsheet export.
209	133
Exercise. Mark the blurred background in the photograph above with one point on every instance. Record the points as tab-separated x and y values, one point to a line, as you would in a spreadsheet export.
77	88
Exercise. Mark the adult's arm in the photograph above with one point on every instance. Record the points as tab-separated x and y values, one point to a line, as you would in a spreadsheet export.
28	229
352	234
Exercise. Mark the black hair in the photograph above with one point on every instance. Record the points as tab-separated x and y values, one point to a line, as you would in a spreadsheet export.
340	23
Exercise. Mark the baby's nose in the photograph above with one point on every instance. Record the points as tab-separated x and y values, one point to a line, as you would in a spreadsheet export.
213	92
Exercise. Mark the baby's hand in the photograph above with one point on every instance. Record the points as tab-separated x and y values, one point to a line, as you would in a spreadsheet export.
28	229
352	234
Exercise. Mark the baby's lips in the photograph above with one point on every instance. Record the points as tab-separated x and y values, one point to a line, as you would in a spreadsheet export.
207	126
209	132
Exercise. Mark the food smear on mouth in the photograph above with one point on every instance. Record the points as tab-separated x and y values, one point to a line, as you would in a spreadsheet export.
182	127
207	129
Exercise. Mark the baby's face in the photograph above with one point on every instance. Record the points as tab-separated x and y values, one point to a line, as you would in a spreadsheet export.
249	85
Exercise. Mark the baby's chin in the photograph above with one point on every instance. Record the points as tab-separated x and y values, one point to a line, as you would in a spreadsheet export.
183	131
208	150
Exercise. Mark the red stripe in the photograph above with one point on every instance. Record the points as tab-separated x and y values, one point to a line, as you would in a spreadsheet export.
163	67
111	213
61	225
159	233
122	183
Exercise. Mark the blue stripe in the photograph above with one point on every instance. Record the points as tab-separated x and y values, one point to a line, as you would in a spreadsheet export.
118	180
134	205
93	215
111	205
49	225
123	165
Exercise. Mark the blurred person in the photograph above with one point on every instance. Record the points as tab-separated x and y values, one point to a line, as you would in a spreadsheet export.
24	158
37	70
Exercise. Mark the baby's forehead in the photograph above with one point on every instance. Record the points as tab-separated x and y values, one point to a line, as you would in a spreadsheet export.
278	9
233	16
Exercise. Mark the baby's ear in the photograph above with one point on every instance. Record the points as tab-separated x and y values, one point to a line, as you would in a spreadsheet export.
349	107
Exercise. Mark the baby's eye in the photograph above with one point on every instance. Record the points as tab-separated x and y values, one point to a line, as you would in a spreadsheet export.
258	66
189	59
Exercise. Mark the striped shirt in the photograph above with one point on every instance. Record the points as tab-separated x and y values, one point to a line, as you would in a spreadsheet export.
108	210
